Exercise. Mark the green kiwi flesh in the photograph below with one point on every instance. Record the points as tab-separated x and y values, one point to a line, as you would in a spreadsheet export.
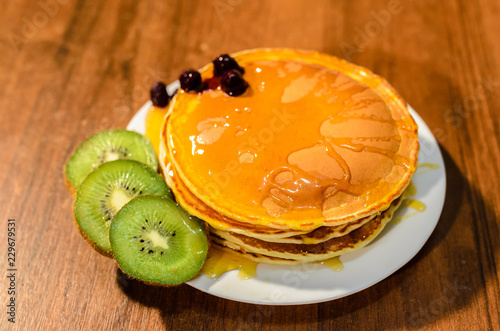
107	146
108	188
156	241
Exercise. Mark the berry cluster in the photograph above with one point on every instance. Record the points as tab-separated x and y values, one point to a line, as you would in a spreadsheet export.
227	73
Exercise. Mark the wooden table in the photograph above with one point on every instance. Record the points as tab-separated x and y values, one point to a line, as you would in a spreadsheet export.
71	68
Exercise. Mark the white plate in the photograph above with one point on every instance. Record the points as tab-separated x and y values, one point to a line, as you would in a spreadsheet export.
312	283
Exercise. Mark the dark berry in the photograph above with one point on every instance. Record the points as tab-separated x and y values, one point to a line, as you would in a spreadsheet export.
159	95
224	63
233	83
190	80
202	87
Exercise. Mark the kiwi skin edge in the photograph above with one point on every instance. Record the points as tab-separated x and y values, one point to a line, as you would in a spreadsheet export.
87	239
68	184
172	285
153	284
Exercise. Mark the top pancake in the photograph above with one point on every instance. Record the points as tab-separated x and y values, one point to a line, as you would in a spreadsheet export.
313	141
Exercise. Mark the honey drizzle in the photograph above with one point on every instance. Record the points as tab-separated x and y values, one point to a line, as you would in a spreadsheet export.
154	121
220	261
339	118
431	166
340	160
411	191
414	204
343	184
348	144
333	264
427	167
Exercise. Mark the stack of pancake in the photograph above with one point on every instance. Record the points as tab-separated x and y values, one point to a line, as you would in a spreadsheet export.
308	164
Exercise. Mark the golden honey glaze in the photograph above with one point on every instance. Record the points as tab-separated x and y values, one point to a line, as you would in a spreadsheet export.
333	264
411	191
220	261
301	140
154	120
424	168
414	204
418	206
432	166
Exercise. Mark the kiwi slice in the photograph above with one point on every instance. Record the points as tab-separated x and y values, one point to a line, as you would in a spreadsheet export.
107	146
106	190
156	241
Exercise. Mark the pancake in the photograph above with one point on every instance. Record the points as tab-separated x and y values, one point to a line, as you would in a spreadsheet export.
315	141
308	164
277	253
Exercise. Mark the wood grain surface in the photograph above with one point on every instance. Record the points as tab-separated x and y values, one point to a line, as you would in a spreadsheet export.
69	68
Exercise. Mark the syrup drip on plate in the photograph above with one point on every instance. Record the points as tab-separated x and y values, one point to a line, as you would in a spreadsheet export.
424	168
333	264
411	191
220	260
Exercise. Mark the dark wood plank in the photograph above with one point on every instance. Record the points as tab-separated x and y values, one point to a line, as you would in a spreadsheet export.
70	68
